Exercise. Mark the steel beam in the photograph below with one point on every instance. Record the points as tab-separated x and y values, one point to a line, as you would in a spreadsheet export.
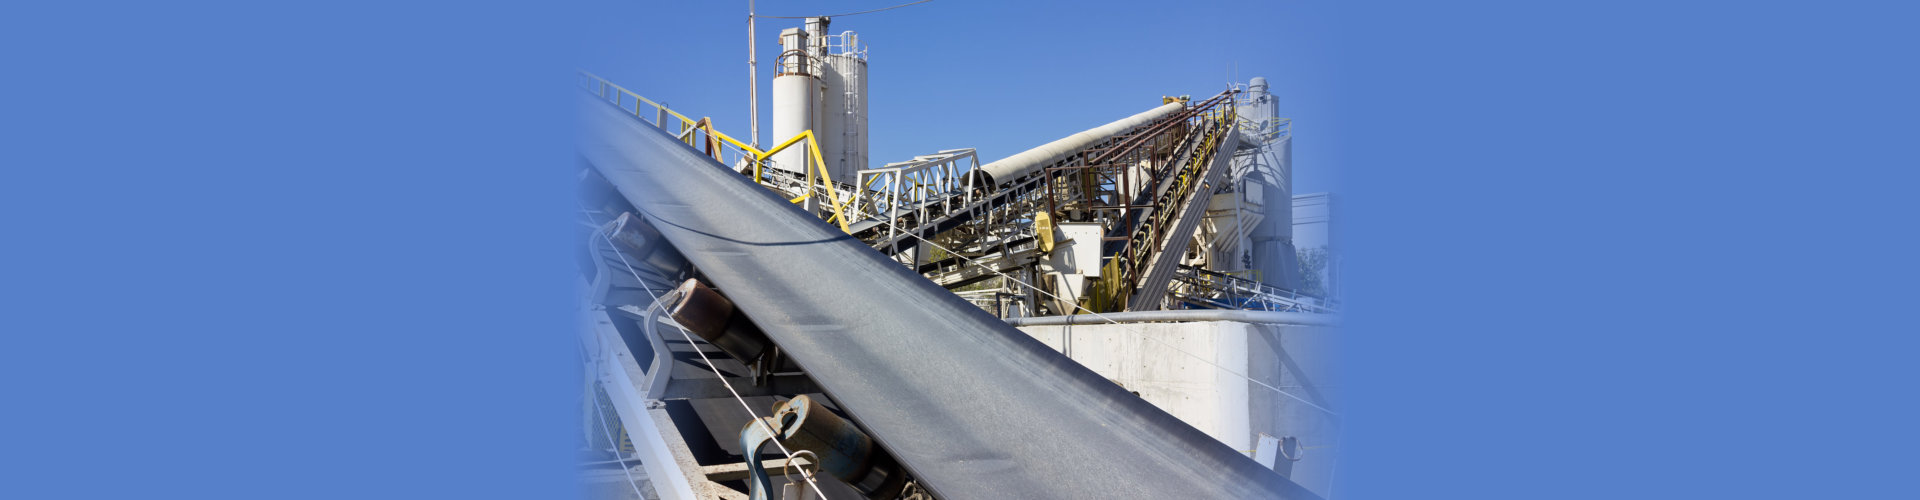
971	407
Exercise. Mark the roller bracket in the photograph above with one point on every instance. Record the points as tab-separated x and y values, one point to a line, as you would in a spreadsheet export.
842	450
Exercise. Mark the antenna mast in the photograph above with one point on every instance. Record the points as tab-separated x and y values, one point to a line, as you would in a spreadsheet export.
753	81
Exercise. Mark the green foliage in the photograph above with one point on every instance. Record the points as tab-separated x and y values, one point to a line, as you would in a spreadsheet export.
1313	267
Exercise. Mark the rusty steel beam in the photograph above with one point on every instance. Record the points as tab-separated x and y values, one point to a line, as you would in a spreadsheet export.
969	406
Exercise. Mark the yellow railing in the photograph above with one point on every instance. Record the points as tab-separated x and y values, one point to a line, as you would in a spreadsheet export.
815	164
690	131
1122	273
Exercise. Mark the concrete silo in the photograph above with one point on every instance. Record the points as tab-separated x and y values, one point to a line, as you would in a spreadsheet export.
822	86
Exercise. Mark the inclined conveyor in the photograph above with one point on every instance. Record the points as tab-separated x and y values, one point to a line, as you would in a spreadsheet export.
969	406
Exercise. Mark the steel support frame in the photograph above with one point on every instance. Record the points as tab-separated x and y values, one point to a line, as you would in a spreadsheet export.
1206	127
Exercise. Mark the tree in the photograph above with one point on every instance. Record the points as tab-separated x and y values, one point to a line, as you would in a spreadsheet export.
1313	271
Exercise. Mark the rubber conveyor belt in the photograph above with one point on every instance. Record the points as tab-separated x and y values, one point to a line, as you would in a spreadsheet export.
970	406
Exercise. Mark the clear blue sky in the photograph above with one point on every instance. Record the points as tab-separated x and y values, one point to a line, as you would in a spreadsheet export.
997	76
1631	249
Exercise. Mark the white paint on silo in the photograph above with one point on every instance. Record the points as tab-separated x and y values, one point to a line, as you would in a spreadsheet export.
849	62
1270	247
842	108
826	104
1258	105
795	92
822	86
832	111
858	71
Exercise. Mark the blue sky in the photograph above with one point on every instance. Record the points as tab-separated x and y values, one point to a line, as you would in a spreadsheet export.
997	76
1597	250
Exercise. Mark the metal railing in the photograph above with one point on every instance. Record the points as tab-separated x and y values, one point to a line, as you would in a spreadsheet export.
921	188
845	43
1226	291
701	133
1124	270
795	62
1274	128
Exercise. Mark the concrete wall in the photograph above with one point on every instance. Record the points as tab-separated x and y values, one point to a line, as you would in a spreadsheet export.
1294	359
612	484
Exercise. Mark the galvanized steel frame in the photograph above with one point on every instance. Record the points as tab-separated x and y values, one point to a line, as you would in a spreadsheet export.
1051	428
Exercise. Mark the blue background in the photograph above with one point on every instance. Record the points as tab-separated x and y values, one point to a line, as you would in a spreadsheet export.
1000	77
1643	249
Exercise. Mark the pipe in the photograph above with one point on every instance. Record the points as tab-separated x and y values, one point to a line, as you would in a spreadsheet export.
1026	162
863	324
1265	317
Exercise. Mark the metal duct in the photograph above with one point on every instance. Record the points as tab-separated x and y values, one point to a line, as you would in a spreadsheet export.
969	406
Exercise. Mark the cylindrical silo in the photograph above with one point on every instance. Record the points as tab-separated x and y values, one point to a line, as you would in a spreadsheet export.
795	92
826	106
832	111
1258	107
845	107
822	86
845	99
1270	172
842	108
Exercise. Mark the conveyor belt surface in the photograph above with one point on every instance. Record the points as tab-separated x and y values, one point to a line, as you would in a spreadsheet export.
970	406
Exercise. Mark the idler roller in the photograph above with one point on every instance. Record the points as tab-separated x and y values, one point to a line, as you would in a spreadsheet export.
711	316
645	244
843	451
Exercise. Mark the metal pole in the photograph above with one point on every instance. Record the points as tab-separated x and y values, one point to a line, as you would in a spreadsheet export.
753	82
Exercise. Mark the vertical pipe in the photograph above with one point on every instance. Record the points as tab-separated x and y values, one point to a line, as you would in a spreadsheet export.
893	204
753	82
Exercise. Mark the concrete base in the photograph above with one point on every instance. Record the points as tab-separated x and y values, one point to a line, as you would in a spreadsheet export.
1173	366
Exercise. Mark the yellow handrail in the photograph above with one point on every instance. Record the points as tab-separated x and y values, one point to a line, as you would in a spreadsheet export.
813	153
759	157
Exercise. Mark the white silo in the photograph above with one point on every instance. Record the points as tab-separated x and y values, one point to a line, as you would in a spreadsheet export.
844	103
1271	173
842	64
822	86
826	106
1262	110
796	91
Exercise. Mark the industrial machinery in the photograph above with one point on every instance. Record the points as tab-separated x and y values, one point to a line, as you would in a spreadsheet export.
1112	314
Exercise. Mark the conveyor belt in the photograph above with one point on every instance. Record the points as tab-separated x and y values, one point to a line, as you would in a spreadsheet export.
1160	269
970	406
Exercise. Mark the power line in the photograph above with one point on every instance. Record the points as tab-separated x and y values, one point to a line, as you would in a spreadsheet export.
710	366
846	14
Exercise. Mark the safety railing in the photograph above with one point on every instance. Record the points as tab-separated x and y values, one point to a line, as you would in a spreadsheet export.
1260	131
999	302
795	62
697	133
1123	272
1224	290
923	187
701	134
845	43
1273	129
